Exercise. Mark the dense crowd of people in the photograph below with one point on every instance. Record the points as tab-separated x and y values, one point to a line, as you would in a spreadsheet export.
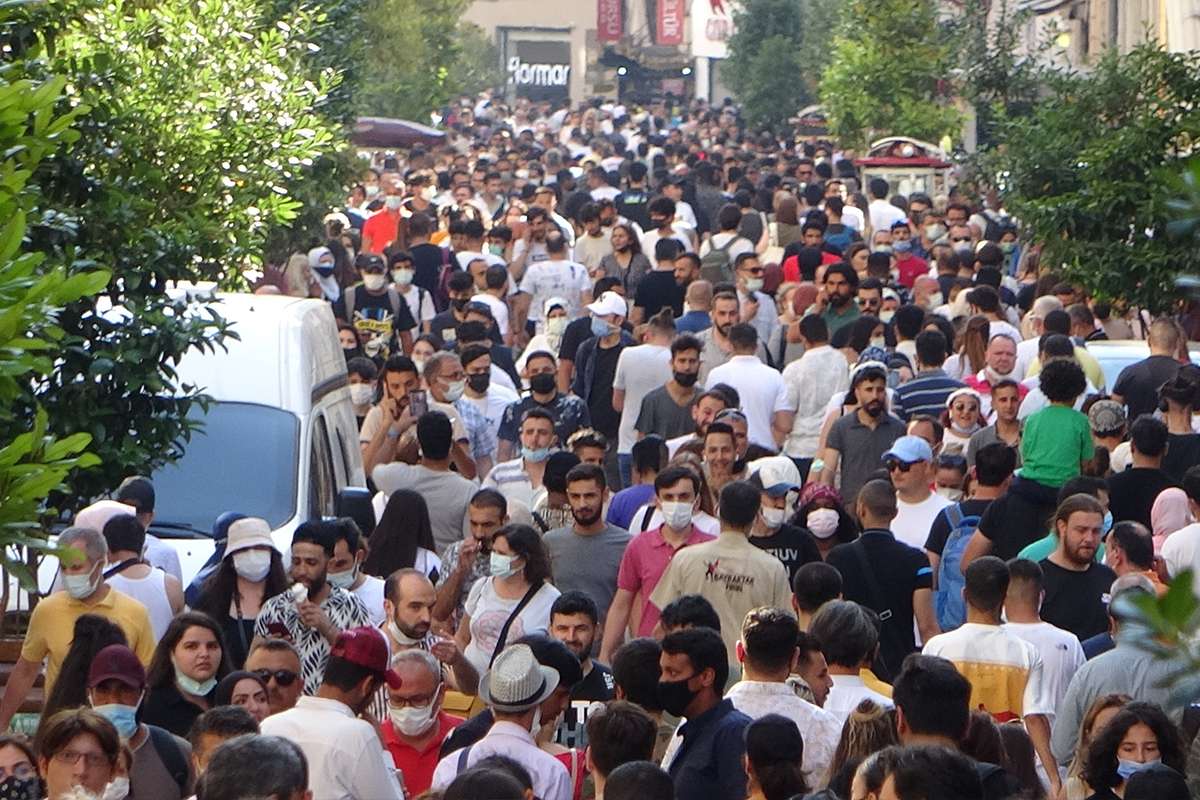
704	466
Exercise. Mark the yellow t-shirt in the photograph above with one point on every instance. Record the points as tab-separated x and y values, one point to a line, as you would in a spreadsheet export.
52	628
1087	361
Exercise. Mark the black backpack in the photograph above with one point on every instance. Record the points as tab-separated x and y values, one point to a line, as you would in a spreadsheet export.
172	757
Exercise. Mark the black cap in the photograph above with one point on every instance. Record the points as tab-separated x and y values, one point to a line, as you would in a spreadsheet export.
138	492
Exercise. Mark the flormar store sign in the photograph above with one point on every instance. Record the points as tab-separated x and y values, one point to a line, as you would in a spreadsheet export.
540	70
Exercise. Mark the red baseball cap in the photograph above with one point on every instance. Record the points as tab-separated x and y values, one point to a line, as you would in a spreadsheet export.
367	648
116	662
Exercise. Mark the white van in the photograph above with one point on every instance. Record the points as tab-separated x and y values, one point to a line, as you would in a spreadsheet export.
279	441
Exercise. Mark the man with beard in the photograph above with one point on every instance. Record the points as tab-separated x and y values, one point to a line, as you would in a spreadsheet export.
575	621
716	349
858	440
836	304
1076	586
587	555
344	753
313	615
408	601
667	410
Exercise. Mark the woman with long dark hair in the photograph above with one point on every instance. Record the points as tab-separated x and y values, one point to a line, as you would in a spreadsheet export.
403	538
1138	735
182	679
774	750
92	633
627	261
516	595
250	573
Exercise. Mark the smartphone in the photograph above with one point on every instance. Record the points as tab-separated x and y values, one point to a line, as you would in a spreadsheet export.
418	402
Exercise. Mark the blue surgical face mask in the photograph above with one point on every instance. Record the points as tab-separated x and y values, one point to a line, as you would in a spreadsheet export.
1108	522
537	455
1126	769
600	327
902	246
501	566
193	686
123	718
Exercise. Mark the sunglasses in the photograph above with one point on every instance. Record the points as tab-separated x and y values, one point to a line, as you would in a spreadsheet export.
284	677
894	464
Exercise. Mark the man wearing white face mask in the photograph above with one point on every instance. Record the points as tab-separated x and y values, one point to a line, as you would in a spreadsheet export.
52	624
778	478
416	725
646	557
376	311
116	684
345	569
419	300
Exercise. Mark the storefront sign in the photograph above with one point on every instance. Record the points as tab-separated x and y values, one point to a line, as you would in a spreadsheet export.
670	22
610	23
540	70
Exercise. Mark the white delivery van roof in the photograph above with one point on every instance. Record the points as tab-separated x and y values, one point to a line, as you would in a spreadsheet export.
283	354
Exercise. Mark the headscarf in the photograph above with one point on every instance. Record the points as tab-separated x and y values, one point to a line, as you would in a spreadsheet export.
1169	513
814	491
224	692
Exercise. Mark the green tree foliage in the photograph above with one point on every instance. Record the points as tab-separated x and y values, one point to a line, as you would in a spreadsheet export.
821	20
203	117
887	72
33	463
420	55
994	78
1089	172
764	67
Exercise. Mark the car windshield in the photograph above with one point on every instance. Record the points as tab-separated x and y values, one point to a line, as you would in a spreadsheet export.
243	459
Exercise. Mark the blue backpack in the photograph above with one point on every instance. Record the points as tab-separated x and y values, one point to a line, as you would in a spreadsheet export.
948	600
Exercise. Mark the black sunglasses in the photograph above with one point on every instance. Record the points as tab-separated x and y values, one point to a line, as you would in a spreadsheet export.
896	464
284	677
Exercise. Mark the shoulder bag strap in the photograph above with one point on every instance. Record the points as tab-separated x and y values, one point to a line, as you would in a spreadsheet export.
511	617
873	587
647	516
129	562
462	758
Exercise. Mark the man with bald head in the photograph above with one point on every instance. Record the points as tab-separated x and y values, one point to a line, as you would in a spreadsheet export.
408	599
1027	349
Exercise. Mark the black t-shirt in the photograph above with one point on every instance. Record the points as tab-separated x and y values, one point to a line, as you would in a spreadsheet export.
656	290
1018	517
1077	601
1131	493
899	571
1139	383
427	266
939	532
596	685
1183	451
604	418
377	319
792	545
577	332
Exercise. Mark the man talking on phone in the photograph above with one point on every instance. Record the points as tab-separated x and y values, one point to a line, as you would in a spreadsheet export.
388	420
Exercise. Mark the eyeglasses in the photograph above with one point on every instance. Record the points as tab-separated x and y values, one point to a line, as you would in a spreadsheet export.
413	702
23	771
894	464
71	758
284	677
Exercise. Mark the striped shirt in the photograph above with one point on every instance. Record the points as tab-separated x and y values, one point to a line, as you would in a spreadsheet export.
511	480
924	394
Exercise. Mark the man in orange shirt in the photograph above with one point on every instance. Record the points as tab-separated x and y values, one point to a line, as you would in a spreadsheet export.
416	726
380	230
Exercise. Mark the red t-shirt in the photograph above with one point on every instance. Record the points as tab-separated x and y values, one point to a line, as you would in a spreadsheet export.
418	767
910	269
379	231
791	265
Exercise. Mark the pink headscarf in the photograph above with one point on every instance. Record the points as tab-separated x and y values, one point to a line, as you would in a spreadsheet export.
1169	513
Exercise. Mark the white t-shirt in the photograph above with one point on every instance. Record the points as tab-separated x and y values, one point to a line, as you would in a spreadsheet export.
762	391
1062	655
685	214
640	370
604	193
884	215
997	662
1181	550
997	327
913	520
547	279
852	217
493	403
489	611
499	310
1027	353
743	245
650	239
371	594
420	304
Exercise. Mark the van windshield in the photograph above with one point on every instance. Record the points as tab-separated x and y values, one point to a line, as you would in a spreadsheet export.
243	459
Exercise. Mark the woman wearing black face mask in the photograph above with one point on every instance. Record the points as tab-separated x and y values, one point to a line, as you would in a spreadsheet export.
348	339
19	768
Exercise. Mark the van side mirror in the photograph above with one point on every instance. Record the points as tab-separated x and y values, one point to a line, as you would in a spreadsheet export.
355	502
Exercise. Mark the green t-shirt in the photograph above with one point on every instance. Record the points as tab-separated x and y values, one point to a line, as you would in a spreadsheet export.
1055	440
